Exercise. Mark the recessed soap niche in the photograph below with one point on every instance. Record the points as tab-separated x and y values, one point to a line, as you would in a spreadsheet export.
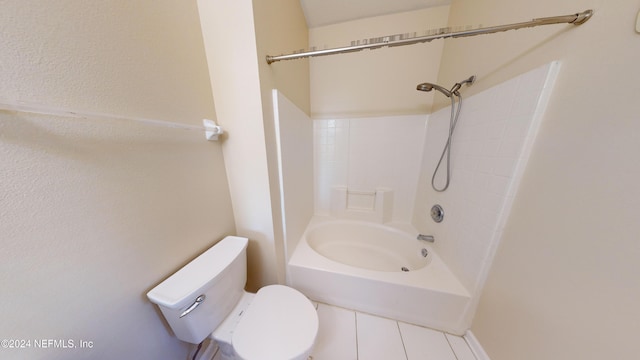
362	204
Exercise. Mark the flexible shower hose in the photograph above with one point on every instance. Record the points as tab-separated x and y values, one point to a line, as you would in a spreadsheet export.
453	120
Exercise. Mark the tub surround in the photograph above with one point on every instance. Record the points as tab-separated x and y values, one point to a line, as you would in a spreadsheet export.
491	147
366	155
294	134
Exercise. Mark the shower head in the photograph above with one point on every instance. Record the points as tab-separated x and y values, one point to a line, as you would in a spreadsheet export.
447	93
429	87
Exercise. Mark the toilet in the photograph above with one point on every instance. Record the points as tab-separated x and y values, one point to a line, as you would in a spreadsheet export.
206	298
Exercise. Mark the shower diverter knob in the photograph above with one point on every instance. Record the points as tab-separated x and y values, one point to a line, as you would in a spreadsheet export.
437	213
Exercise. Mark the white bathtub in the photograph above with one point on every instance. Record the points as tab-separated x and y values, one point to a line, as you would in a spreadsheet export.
363	266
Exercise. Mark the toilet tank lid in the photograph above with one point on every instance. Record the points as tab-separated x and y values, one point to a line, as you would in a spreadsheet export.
180	288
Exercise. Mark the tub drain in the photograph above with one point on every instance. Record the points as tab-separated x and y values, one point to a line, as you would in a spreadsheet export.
404	268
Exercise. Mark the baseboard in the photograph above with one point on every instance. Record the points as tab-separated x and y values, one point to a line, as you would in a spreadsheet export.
475	346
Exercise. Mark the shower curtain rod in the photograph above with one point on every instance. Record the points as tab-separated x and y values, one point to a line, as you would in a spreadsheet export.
209	127
575	19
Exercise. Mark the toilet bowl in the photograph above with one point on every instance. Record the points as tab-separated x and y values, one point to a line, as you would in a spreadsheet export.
206	298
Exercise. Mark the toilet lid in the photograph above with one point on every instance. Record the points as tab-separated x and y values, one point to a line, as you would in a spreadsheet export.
280	324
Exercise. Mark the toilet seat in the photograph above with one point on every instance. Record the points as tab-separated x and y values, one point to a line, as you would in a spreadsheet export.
281	323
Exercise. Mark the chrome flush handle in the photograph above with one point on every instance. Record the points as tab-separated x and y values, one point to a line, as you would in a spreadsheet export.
193	306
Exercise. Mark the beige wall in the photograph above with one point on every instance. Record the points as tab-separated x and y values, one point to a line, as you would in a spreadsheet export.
96	213
280	28
564	283
230	44
380	82
238	36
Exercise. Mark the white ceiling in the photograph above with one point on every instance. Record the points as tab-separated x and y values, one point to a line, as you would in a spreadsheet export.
325	12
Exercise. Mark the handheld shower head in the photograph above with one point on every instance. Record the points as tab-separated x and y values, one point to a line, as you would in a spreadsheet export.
447	93
453	95
424	87
430	86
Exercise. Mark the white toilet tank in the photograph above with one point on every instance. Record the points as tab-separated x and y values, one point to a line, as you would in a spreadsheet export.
204	291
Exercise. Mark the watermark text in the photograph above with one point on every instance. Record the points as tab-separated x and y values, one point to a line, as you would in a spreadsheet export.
42	343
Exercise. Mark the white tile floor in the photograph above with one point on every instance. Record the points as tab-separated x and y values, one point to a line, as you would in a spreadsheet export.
349	335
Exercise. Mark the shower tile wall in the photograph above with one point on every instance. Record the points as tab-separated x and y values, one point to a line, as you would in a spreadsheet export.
491	145
331	149
369	153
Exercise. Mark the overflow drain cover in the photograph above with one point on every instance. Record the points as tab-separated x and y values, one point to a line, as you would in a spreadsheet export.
404	268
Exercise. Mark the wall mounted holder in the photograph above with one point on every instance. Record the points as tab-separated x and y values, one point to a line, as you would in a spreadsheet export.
211	130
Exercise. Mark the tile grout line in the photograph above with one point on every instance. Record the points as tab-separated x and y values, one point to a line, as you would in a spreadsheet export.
451	347
402	340
355	317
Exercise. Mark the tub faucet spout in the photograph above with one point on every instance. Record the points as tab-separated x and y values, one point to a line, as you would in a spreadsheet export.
428	238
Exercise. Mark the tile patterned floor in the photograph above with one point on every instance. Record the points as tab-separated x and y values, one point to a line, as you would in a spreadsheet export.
350	335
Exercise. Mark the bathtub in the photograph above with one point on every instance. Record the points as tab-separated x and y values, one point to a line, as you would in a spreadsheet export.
377	269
